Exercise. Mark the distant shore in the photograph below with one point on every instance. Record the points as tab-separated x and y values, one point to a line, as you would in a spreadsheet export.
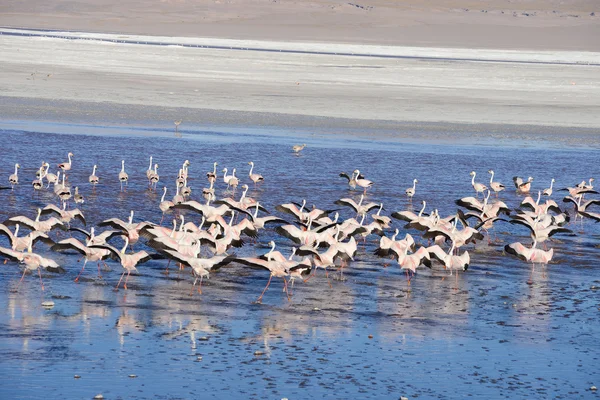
63	80
488	24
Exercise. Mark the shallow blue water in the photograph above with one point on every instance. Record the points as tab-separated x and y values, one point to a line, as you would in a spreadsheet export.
494	337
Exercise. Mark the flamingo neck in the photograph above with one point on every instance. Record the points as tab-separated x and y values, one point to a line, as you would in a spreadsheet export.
537	202
473	179
251	168
94	170
16	231
492	178
125	246
380	208
123	166
414	185
395	234
150	166
164	194
422	209
16	166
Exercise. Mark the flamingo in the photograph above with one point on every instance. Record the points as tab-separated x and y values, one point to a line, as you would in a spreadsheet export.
521	185
129	262
93	179
532	255
256	178
21	243
165	205
548	191
123	177
67	165
497	187
36	225
78	198
149	171
410	192
363	183
32	261
479	187
410	262
89	253
14	178
212	176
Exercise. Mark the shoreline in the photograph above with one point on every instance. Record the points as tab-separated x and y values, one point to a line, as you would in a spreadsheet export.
230	87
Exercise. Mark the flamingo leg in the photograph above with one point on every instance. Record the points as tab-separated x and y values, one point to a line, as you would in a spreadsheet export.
23	276
40	274
126	278
193	285
169	263
285	288
530	281
99	274
117	288
82	268
266	287
328	280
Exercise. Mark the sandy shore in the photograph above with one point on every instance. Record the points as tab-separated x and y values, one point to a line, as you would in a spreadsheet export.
504	24
273	85
521	65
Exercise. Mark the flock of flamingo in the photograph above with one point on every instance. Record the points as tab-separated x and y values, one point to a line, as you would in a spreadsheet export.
322	239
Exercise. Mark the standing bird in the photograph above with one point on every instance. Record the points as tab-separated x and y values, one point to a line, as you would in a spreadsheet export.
497	187
177	123
256	178
165	205
362	182
14	178
93	179
149	171
67	165
38	183
548	191
212	175
123	177
154	178
410	192
78	198
479	187
298	148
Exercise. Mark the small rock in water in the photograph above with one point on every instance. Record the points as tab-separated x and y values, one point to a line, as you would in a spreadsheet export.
48	304
203	339
593	388
403	398
199	358
98	396
370	336
133	376
258	353
77	376
316	309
